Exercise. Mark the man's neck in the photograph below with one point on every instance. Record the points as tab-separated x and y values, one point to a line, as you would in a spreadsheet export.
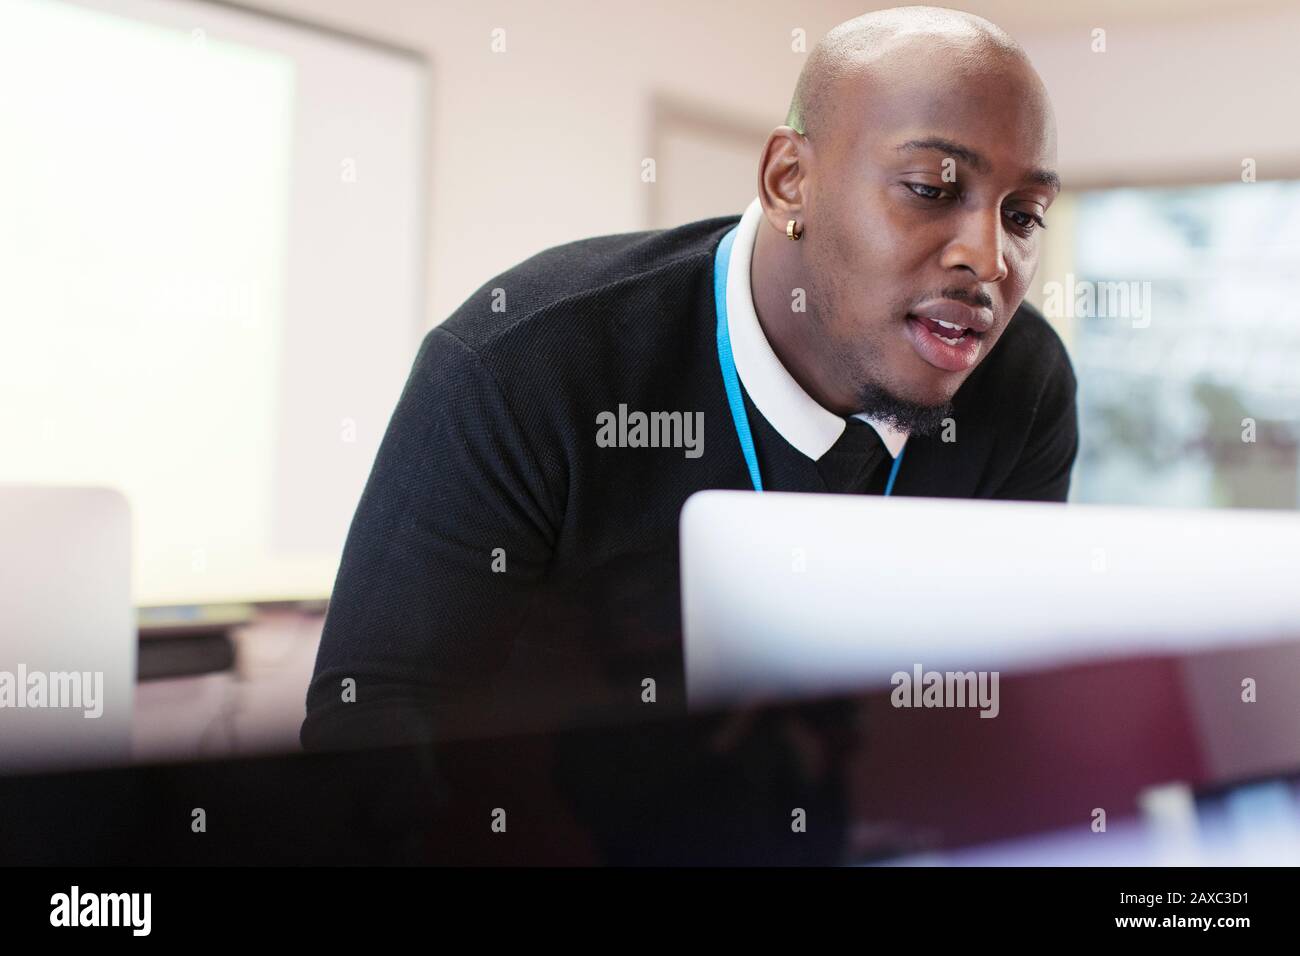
775	272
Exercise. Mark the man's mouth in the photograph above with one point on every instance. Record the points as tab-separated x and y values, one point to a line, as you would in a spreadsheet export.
947	334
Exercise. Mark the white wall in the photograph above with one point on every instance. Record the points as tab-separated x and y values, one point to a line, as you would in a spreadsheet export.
543	144
1175	101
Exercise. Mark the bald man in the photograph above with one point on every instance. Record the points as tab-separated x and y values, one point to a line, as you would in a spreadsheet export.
513	561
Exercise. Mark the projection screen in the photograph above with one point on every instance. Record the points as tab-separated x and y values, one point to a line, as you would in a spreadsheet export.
211	278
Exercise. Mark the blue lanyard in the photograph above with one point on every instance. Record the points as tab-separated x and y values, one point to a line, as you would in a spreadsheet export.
731	381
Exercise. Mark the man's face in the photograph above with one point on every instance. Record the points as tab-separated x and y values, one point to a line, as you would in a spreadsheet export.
927	192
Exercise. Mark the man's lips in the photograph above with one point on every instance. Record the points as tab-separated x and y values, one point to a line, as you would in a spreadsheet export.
950	317
947	334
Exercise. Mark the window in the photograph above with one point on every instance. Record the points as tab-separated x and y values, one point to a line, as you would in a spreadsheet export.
1189	390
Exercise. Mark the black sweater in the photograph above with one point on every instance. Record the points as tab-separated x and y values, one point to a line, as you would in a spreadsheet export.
493	445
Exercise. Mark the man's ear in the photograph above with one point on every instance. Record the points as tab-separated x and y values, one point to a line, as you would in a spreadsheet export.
782	176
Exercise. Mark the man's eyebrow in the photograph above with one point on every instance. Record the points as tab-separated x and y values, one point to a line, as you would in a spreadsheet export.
948	148
1039	177
1045	177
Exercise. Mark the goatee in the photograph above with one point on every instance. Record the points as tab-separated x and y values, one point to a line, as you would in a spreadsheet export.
914	418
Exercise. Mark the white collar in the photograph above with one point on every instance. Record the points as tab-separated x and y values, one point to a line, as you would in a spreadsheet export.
794	413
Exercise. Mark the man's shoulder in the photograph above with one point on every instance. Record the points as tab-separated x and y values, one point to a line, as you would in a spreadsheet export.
586	276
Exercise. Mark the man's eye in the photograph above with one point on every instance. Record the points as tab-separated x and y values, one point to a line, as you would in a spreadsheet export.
1025	220
924	191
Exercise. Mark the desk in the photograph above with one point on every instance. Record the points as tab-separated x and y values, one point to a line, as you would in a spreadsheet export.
257	707
669	792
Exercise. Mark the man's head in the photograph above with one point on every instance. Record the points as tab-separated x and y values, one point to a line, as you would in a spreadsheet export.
917	161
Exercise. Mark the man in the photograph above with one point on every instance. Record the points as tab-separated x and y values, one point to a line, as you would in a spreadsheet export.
513	560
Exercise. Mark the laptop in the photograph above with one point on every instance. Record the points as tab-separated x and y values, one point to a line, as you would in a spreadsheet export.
67	628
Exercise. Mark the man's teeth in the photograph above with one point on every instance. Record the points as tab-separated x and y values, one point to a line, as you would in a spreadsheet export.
959	329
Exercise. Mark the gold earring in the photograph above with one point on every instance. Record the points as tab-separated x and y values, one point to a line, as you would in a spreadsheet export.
791	232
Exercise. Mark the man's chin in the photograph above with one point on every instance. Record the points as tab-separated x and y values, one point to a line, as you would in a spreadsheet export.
913	417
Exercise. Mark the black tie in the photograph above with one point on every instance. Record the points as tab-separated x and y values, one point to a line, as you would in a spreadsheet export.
850	464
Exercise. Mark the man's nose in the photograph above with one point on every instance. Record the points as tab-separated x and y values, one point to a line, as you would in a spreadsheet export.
977	246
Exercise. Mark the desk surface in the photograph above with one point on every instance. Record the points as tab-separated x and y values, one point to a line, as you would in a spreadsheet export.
842	780
257	707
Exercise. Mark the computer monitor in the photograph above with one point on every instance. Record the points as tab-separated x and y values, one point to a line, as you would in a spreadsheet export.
801	594
980	673
67	628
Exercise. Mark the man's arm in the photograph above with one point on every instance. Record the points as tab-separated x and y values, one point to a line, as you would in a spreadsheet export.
1042	473
418	618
